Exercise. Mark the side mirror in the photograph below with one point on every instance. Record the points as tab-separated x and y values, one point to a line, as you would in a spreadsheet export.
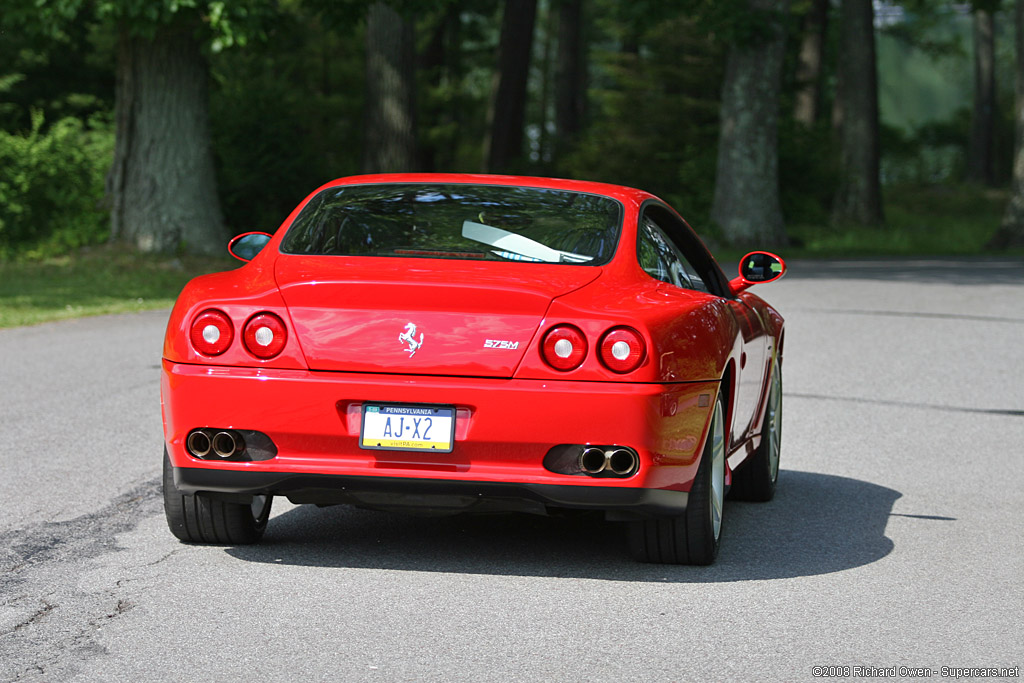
756	268
246	246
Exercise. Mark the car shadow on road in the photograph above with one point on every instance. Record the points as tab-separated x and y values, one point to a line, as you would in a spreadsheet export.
817	524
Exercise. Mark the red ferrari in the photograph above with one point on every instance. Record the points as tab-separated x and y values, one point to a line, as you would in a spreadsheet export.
449	343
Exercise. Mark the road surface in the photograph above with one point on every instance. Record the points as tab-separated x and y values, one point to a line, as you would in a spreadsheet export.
894	541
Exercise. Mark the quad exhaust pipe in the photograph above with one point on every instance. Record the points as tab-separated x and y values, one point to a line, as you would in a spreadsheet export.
204	443
226	444
622	461
593	460
198	444
618	461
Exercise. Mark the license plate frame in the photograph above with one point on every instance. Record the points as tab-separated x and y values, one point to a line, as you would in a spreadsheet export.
381	434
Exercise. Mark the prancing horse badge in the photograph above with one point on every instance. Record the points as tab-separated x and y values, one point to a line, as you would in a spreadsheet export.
409	337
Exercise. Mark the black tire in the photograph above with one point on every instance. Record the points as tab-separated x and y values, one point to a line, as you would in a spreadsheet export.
694	537
200	519
756	479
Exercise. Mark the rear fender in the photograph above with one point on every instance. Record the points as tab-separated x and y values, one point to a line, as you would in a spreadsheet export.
220	291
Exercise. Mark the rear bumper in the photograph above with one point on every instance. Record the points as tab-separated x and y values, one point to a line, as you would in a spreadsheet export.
504	428
433	494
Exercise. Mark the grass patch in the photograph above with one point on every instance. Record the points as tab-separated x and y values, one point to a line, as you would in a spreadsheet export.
939	220
95	282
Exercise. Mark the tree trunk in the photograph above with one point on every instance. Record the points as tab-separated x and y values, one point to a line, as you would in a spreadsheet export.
570	76
980	166
1011	232
859	196
441	65
837	105
508	109
809	64
389	138
547	77
746	202
162	187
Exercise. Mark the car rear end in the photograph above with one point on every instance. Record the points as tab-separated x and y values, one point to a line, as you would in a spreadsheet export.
406	346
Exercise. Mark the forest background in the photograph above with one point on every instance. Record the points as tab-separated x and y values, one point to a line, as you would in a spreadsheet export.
836	128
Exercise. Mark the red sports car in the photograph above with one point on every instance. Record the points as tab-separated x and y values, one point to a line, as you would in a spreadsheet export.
450	343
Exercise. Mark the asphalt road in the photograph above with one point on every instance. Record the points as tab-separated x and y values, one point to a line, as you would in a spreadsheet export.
894	541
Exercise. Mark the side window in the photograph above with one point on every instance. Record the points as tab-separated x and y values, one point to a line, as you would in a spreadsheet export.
651	252
696	282
661	259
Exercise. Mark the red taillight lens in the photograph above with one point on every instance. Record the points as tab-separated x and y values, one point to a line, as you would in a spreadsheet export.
211	333
564	347
622	349
265	335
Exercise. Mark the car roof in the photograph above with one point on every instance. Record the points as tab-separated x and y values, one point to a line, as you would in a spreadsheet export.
620	192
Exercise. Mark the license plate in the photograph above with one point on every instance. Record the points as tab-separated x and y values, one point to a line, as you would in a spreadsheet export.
407	427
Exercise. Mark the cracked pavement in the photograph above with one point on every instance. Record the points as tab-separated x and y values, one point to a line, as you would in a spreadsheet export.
52	608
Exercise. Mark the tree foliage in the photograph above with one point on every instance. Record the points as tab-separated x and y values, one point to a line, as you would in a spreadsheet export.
289	101
228	23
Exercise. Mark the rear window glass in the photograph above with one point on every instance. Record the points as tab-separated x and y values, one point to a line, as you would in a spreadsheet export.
480	222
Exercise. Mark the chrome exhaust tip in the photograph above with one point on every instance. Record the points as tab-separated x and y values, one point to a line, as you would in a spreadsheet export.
621	461
593	460
226	444
198	444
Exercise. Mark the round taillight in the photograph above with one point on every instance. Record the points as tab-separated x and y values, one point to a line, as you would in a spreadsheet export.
564	347
211	333
265	335
622	349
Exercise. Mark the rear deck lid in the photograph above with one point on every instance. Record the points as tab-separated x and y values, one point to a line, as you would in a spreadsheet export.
419	316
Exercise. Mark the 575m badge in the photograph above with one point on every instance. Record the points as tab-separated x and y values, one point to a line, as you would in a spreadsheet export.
500	344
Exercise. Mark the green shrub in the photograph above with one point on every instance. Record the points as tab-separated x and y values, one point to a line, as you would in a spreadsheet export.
51	187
